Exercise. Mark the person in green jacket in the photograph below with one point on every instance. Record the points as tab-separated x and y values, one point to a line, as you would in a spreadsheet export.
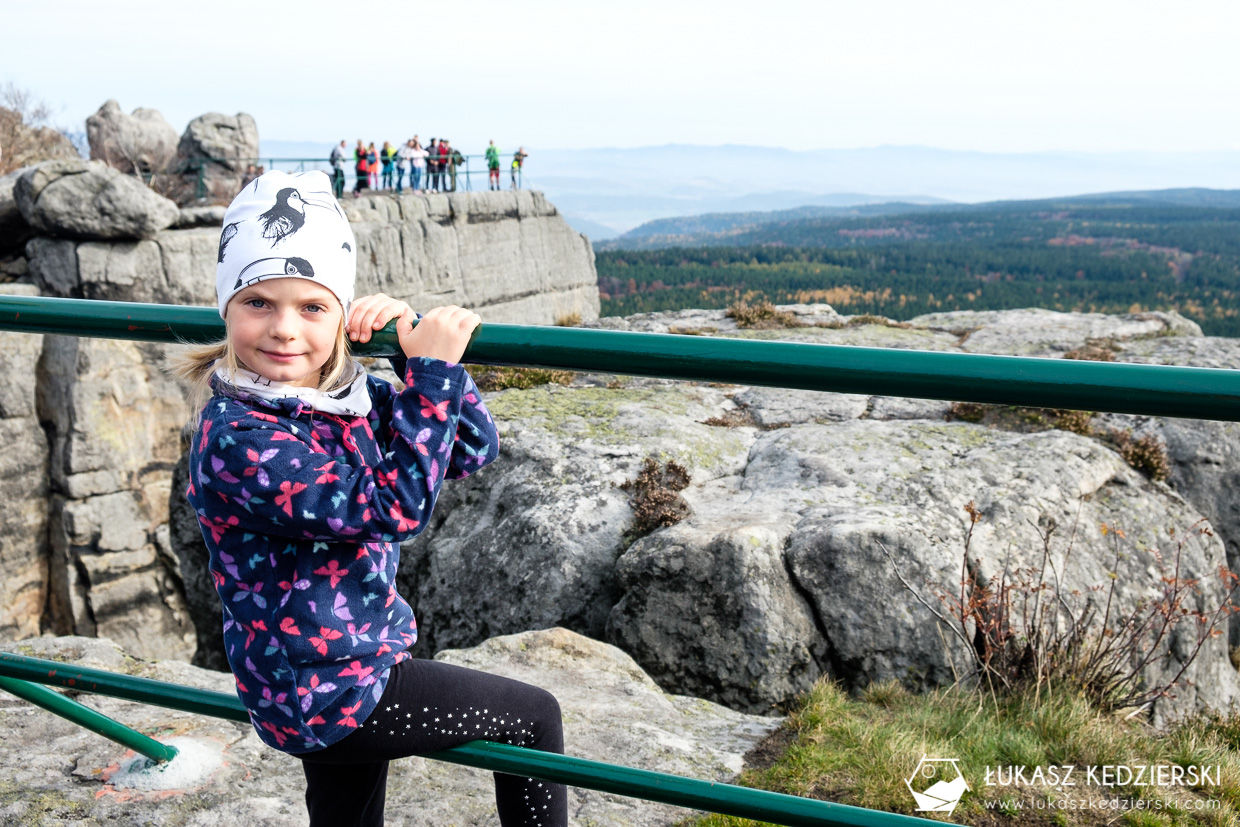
493	164
518	158
455	159
387	156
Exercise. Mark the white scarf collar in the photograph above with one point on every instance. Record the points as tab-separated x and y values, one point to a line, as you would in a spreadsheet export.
352	400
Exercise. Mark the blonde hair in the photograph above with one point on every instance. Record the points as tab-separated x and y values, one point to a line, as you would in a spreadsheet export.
197	364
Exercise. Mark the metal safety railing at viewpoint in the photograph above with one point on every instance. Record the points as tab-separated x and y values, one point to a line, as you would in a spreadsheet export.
452	177
1199	393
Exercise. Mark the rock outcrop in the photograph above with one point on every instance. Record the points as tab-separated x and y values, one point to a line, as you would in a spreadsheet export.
612	712
113	414
142	142
222	146
509	255
110	562
90	200
24	484
26	144
779	573
13	228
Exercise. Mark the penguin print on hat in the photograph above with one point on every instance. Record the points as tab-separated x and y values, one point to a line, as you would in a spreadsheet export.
286	226
288	214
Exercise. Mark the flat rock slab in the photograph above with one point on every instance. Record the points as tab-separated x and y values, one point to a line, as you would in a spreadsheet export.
56	773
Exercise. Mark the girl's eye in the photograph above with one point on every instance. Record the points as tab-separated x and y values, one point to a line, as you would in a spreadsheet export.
315	308
256	303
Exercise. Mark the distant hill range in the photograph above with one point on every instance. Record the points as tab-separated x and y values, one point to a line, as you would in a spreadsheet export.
777	226
607	191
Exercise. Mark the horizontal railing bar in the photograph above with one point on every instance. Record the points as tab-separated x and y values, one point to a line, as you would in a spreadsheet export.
728	799
715	797
1152	390
86	717
127	687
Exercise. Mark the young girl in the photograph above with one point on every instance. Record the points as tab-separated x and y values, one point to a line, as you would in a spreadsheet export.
306	474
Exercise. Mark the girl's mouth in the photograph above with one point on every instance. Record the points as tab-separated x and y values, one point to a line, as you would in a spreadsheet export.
280	357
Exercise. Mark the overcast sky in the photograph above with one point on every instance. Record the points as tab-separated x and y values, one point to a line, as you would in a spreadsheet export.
1093	75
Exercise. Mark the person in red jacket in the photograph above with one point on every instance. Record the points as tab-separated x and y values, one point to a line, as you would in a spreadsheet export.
444	152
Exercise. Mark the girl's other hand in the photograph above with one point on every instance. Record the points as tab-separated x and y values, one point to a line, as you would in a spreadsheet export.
370	313
443	333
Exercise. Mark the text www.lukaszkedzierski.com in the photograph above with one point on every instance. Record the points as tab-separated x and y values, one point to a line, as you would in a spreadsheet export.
1015	804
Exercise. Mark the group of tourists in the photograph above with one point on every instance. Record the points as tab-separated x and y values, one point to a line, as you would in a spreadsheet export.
432	168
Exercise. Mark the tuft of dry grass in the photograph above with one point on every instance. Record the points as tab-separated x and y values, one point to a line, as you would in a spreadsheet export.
760	316
858	750
862	320
1023	420
739	417
498	378
1094	350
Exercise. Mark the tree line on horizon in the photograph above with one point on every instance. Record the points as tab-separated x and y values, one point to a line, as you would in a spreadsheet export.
1113	258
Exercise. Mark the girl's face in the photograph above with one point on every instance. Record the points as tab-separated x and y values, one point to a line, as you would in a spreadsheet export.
284	329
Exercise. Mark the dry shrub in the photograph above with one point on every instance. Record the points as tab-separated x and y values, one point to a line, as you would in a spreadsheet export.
1026	628
1146	454
655	496
498	377
569	319
760	316
25	137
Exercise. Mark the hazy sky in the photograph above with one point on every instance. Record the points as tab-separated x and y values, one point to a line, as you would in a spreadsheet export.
1096	75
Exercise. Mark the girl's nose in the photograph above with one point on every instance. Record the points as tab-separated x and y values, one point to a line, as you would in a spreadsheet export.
284	324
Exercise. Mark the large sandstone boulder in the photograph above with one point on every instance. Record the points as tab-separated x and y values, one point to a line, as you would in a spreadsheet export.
212	155
509	255
114	415
90	200
95	387
139	143
13	228
226	777
23	484
778	573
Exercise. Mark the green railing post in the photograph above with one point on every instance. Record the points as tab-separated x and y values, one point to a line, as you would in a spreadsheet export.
86	717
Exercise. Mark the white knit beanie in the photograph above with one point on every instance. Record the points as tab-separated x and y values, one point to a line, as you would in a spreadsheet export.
283	226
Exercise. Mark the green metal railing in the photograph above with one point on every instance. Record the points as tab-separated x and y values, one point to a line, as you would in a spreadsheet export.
1200	393
715	797
1153	390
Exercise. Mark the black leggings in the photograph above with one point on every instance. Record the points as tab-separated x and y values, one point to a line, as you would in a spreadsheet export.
427	706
